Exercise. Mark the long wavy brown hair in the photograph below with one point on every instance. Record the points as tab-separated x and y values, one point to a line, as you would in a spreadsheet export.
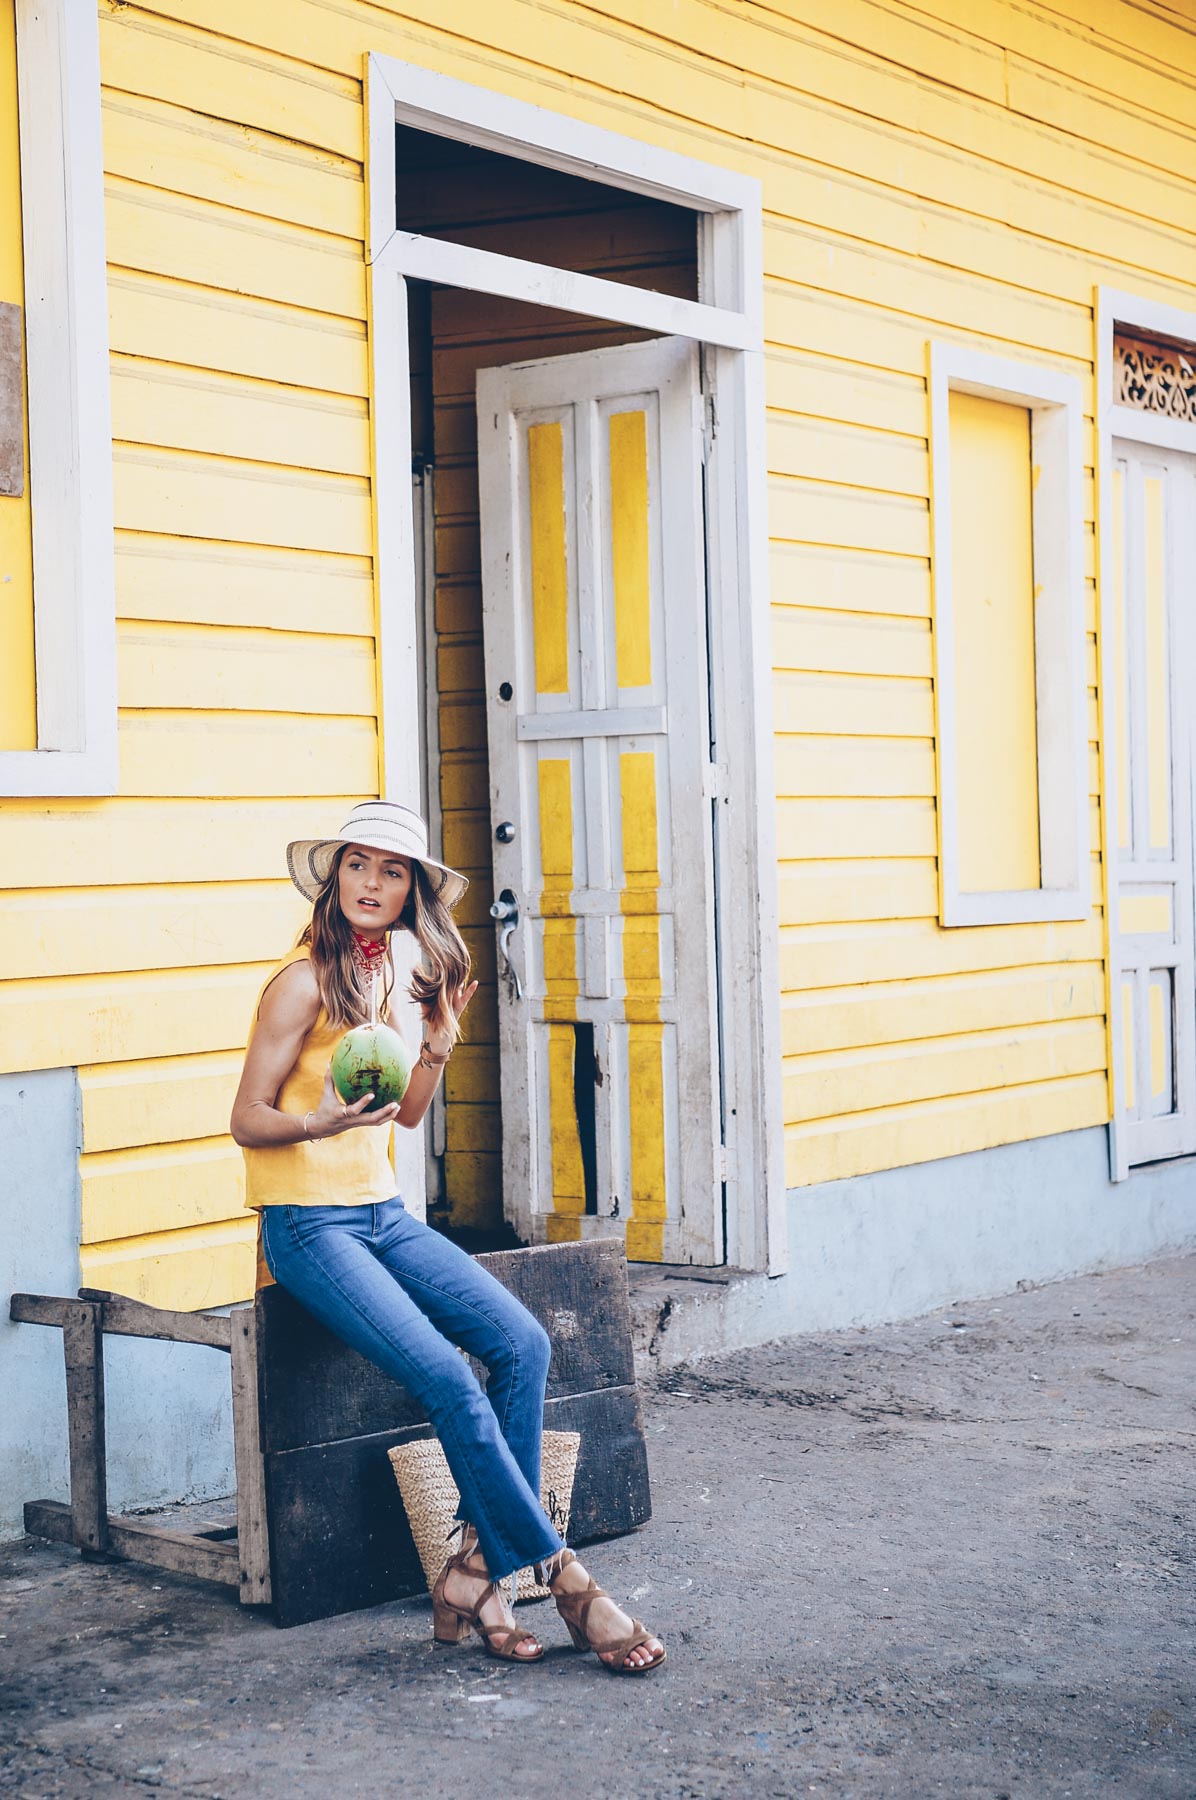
443	968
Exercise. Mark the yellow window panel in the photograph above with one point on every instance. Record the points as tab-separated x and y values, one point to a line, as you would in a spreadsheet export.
630	555
645	1078
568	1173
550	575
992	585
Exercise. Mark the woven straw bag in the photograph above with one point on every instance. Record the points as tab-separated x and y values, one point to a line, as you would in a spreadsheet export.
430	1499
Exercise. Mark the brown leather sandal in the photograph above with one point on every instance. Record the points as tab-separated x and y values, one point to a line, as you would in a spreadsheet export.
452	1623
575	1610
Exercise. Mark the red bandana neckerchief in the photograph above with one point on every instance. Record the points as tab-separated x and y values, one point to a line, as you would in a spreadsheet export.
367	948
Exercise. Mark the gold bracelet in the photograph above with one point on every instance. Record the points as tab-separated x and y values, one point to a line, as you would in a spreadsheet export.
307	1134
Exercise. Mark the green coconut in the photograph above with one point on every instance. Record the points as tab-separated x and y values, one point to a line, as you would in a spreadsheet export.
371	1059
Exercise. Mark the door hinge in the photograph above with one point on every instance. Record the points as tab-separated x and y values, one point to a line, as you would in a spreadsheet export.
712	781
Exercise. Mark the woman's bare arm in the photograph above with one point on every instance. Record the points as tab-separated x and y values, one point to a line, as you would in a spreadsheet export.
290	1007
424	1081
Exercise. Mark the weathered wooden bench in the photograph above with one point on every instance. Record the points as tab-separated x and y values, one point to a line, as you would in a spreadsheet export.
320	1526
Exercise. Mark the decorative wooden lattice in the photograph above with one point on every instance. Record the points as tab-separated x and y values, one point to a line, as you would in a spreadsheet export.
1154	376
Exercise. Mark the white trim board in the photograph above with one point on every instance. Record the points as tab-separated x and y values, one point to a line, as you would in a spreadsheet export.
728	320
70	428
1116	307
1055	403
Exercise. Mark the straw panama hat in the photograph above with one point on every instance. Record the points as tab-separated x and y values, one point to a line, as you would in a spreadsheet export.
379	825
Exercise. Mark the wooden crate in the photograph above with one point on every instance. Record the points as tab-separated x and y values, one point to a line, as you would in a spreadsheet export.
320	1524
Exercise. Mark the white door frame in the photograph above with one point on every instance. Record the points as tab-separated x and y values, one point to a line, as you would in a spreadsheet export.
1132	313
728	323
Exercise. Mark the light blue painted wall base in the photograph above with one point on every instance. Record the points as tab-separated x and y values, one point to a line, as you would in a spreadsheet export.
169	1409
879	1248
39	1254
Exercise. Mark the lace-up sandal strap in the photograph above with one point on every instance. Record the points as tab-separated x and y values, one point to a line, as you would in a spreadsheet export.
615	1655
512	1636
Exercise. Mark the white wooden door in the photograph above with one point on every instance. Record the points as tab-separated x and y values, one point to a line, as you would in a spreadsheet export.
1153	519
597	708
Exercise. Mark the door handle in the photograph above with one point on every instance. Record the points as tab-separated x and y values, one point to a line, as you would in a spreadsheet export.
506	911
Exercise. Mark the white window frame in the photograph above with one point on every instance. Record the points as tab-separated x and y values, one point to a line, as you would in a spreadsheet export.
728	322
1132	312
70	424
1055	401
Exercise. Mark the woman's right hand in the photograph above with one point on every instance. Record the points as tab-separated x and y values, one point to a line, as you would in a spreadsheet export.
334	1115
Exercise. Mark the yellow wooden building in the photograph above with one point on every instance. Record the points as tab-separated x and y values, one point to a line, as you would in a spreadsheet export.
734	463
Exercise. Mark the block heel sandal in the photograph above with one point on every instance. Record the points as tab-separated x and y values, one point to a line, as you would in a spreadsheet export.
451	1624
575	1610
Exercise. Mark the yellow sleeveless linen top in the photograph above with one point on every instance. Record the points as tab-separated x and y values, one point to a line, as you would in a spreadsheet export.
351	1169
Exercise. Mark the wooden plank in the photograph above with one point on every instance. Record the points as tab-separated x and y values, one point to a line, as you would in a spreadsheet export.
227	415
115	843
245	502
818	830
141	53
855	1081
313	1388
131	1318
76	931
845	391
339	1538
474	1127
473	1183
842	953
160	1188
83	1353
202	156
215	246
616	241
877	766
195	754
209	583
115	1018
136	1540
184	322
1000	231
801	316
812	512
820	450
818	893
215	668
894	1012
833	81
157	1101
945	297
895	1137
853	705
849	581
253	1536
205	1266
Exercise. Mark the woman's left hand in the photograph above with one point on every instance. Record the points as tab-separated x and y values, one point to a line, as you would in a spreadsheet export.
460	1000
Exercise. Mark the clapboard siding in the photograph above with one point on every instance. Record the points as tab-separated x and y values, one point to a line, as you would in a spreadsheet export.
931	171
135	941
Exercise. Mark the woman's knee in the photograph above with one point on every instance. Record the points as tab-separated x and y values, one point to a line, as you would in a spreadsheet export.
534	1345
521	1345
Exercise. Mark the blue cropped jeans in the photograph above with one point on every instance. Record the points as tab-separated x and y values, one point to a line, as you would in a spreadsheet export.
403	1295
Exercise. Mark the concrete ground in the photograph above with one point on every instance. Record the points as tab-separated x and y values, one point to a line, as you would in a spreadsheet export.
952	1557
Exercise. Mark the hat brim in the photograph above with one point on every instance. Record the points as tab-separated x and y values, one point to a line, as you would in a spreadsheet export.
310	860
